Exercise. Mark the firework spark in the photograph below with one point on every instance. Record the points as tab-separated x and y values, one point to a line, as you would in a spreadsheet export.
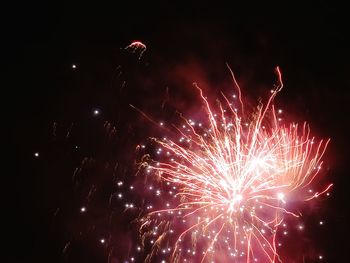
226	184
137	47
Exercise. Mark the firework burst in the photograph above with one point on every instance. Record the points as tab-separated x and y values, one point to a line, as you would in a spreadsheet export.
137	47
224	186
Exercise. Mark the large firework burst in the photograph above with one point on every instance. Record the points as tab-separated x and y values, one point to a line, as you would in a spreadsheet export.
225	184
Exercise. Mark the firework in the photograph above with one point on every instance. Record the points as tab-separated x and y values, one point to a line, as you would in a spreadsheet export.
224	186
137	47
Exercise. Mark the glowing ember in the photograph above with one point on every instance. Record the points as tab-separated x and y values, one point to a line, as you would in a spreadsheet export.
224	186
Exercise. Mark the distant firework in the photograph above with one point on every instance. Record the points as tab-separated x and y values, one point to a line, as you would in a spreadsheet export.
222	190
137	47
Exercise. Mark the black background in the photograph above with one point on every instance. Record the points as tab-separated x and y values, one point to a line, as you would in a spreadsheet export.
309	41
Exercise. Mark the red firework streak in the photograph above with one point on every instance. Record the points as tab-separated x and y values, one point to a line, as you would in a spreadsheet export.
225	184
137	47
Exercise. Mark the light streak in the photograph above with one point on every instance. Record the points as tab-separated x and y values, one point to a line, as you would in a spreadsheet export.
137	47
231	179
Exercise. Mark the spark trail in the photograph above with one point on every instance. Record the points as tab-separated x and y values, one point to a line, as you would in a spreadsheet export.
137	47
226	184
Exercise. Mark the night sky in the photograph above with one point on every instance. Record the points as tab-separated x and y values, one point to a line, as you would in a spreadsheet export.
79	117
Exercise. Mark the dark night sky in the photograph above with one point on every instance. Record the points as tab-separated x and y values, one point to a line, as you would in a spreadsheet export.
308	41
